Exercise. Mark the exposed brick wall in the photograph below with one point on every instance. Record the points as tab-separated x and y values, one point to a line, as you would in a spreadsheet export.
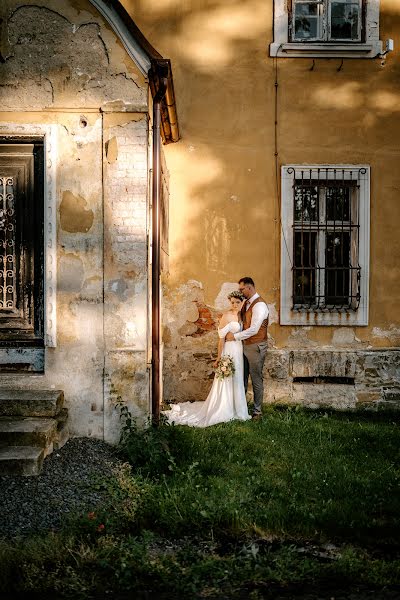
127	193
207	321
126	258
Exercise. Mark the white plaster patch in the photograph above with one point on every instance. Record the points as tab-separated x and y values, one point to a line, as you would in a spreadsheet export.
180	305
391	334
299	337
344	336
192	312
273	314
221	301
195	283
235	198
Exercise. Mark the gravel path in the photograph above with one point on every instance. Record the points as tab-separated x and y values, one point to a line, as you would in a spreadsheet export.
34	504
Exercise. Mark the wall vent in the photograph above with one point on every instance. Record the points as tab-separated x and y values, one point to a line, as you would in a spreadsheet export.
325	379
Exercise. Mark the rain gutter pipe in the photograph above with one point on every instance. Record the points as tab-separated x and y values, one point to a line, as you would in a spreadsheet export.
162	72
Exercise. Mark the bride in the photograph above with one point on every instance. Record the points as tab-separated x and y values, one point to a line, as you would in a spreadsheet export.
227	399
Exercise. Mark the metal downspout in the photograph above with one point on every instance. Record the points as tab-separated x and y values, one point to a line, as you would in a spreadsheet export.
156	252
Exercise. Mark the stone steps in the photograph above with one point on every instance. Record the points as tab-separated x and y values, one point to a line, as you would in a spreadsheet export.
21	460
27	431
30	403
32	424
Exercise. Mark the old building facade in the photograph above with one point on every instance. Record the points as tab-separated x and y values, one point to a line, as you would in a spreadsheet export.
287	171
77	89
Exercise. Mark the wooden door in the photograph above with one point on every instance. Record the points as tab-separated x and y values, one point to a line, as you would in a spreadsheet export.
21	245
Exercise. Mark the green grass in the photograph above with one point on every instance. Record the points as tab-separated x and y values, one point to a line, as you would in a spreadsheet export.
297	499
293	474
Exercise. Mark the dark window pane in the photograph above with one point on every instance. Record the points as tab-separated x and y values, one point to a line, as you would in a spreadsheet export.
344	20
304	271
305	202
337	203
306	20
337	268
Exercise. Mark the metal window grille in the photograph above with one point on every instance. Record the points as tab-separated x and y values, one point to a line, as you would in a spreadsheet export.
326	20
7	245
326	269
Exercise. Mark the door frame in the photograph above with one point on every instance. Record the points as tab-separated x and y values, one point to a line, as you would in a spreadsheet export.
47	134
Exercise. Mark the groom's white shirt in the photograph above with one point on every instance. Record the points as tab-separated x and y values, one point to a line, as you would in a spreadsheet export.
260	313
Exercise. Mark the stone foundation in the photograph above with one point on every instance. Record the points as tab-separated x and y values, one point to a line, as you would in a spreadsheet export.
341	379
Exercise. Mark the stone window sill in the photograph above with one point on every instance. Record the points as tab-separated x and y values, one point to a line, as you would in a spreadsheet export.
327	50
339	319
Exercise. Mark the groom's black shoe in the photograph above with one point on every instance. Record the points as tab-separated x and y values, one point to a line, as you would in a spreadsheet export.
256	417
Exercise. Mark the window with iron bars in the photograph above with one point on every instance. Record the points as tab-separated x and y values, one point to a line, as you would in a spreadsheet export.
325	246
327	20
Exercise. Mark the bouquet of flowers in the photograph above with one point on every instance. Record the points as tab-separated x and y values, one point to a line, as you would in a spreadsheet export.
226	367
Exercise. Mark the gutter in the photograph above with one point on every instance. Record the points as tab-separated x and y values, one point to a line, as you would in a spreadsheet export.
162	76
169	118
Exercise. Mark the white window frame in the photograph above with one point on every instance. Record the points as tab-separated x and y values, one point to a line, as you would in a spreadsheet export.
282	46
308	317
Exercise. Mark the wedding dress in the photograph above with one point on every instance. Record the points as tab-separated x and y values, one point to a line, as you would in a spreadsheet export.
226	400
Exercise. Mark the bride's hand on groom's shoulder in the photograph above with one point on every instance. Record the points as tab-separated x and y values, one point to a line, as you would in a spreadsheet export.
215	364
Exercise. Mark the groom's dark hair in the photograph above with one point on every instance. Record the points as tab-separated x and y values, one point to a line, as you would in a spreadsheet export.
246	281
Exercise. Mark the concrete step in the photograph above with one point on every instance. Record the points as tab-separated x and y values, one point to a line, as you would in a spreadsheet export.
62	417
27	431
21	460
30	403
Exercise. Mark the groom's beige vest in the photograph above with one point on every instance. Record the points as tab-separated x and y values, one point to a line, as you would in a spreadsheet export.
262	334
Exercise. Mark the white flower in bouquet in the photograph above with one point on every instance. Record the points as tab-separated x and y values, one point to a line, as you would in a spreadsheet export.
226	367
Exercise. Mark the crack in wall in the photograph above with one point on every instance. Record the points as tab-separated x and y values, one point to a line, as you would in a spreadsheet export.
125	76
52	89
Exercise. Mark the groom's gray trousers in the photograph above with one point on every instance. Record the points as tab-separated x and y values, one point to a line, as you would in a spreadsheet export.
254	358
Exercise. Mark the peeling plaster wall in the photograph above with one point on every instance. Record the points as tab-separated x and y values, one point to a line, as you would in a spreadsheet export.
64	55
67	67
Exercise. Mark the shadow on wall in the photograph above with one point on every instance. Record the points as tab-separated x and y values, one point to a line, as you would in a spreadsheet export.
223	189
224	210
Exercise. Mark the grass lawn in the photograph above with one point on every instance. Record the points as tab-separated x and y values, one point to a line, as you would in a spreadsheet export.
300	504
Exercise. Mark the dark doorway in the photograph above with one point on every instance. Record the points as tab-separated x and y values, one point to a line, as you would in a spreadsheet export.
21	246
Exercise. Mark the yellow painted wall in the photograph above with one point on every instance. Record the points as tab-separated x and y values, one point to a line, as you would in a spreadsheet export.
224	205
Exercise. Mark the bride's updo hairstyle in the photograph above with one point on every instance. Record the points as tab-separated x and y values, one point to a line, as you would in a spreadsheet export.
236	294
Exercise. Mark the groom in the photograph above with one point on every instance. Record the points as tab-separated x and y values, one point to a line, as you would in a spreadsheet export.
254	336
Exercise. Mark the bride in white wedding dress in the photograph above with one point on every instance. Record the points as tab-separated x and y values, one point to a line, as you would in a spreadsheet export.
227	399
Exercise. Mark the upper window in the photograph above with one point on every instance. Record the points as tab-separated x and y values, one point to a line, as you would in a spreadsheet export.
325	245
326	20
326	28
